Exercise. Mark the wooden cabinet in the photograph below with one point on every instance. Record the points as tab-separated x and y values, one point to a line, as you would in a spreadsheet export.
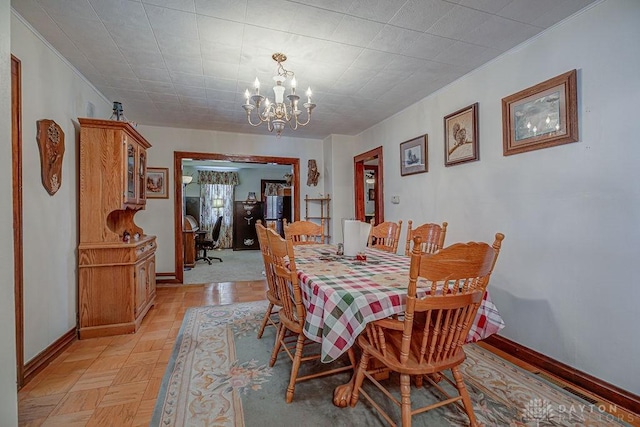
245	216
116	279
318	209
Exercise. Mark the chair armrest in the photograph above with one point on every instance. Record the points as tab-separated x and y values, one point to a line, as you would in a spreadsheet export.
390	323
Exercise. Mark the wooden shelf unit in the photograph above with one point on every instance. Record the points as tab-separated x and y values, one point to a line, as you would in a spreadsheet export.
325	212
116	279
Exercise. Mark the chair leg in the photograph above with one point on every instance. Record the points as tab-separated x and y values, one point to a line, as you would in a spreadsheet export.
277	344
297	359
405	398
466	400
357	382
205	256
265	320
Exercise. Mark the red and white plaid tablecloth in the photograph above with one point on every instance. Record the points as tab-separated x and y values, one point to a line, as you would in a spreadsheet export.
343	295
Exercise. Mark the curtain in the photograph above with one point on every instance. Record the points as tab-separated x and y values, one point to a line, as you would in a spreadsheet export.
213	177
218	185
272	188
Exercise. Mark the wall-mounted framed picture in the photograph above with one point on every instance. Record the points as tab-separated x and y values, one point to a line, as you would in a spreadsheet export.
541	116
414	157
372	194
461	136
157	181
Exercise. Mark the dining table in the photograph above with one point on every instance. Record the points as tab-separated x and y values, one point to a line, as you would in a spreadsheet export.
342	294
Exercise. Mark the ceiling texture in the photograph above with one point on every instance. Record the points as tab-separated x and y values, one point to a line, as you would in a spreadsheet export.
187	63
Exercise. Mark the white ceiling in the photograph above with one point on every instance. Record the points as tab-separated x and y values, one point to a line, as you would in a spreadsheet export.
187	63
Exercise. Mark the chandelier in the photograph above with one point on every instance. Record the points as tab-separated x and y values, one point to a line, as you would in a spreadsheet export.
278	114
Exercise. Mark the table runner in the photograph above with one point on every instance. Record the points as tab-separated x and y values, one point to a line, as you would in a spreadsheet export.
342	295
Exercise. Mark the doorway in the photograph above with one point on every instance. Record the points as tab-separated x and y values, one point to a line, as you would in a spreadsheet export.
369	185
178	158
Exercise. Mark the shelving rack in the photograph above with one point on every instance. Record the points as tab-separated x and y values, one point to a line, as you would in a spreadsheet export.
325	212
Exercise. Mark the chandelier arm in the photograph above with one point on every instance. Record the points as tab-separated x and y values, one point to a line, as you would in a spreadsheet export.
287	114
262	117
254	124
308	119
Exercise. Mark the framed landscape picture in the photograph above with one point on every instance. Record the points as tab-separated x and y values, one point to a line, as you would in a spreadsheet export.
157	183
461	136
414	157
541	116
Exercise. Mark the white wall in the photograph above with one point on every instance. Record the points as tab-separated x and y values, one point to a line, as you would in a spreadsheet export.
8	395
157	218
339	152
565	282
51	89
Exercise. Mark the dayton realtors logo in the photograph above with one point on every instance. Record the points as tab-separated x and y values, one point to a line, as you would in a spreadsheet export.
540	412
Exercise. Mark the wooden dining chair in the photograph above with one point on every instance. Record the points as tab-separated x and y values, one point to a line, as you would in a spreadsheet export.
304	232
385	236
271	315
293	316
432	236
430	337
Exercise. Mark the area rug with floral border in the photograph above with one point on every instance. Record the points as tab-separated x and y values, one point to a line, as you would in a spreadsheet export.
219	375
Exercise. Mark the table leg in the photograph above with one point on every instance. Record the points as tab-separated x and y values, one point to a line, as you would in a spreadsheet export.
342	393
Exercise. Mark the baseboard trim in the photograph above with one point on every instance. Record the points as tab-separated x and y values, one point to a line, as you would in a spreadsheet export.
165	274
48	355
169	281
610	392
168	278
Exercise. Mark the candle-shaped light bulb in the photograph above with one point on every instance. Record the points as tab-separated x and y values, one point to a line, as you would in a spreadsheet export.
247	95
309	93
265	112
293	84
256	85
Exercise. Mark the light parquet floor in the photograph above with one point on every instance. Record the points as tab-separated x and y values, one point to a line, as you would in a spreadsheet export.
114	381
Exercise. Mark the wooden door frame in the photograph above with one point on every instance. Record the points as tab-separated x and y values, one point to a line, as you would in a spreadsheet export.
179	156
18	256
358	184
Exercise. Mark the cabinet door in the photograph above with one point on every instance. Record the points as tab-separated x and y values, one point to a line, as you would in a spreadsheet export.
142	176
142	280
244	225
151	278
130	172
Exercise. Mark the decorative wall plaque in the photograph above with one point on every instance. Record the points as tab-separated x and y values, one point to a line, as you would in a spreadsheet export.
50	139
313	174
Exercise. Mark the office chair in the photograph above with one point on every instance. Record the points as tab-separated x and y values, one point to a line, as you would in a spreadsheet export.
205	245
